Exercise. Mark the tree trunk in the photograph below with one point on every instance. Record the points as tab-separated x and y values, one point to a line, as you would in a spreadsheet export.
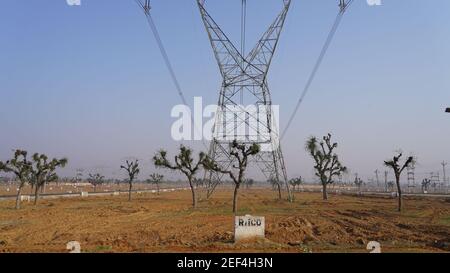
194	198
290	194
235	196
129	191
157	188
324	191
36	194
399	190
279	190
95	188
18	196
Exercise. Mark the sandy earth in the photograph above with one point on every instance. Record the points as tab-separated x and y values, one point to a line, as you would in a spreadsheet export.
166	223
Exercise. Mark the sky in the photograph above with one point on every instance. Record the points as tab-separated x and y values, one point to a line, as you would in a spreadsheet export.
88	82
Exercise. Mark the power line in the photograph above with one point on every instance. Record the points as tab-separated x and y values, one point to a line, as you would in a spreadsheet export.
163	52
343	8
243	38
145	5
444	164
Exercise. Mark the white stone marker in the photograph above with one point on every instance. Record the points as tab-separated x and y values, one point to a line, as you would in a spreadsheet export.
84	194
116	193
25	198
74	247
248	227
374	246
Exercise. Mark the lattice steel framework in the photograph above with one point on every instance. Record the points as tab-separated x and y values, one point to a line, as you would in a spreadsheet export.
245	83
411	175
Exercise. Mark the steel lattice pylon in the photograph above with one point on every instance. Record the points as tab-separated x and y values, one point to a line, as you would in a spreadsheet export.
245	83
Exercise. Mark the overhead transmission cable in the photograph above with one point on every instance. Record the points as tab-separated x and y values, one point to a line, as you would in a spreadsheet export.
145	5
343	8
243	26
243	38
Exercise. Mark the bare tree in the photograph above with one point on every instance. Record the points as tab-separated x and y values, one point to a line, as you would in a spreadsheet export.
183	163
358	182
133	170
199	182
43	171
276	184
327	164
425	184
156	179
398	168
21	167
96	180
241	153
390	186
296	182
249	183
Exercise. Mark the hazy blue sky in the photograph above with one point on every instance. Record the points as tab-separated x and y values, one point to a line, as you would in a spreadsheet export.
89	83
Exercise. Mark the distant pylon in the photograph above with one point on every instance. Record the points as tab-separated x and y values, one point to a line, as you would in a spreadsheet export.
386	180
411	175
376	177
444	164
435	179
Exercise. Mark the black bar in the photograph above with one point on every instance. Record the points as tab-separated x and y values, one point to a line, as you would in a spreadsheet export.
223	262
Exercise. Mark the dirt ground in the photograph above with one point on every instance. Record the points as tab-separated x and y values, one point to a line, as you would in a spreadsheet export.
167	223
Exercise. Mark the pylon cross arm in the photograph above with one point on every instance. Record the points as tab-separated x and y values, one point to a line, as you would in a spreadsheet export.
232	63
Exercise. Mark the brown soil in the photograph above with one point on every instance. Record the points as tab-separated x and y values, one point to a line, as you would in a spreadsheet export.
166	223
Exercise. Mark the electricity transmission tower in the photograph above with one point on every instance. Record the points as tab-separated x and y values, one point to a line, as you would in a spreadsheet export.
444	164
377	178
435	180
386	180
245	83
411	175
79	175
